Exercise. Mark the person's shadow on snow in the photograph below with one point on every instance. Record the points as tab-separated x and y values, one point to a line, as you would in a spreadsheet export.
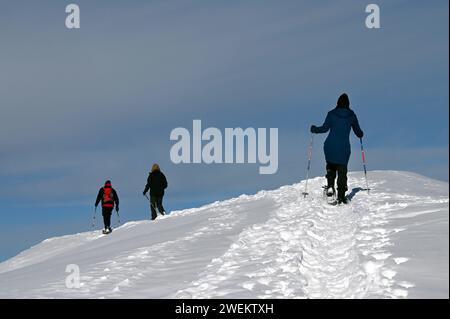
355	191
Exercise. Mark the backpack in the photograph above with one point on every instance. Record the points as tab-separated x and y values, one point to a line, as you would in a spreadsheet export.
108	197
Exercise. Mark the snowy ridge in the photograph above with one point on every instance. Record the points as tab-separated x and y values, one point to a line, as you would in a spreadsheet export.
391	243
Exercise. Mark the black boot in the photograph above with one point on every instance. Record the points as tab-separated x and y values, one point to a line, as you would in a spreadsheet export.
341	197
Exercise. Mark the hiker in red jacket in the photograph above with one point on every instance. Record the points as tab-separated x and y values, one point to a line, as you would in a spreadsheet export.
108	196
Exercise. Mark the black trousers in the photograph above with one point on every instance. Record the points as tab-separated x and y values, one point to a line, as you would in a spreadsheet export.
341	171
106	212
156	203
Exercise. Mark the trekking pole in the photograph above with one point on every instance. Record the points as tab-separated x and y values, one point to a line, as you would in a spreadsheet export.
154	206
305	193
93	217
364	164
148	199
118	216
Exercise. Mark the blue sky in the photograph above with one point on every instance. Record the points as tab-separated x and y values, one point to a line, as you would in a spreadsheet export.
81	106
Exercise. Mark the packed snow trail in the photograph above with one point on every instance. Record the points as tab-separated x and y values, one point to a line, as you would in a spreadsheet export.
308	249
391	243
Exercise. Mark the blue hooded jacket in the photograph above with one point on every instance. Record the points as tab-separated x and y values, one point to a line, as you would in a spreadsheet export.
337	145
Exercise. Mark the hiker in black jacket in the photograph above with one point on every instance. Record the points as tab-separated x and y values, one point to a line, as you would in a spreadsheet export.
157	183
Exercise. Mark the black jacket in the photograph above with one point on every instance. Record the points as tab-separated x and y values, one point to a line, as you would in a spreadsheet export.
157	183
100	197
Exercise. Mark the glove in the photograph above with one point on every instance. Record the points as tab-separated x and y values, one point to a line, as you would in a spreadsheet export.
313	129
143	193
117	209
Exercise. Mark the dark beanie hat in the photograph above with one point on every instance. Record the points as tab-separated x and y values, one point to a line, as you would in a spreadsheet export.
343	102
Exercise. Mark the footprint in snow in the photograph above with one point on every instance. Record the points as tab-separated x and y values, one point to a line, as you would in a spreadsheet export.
400	293
248	285
400	260
381	256
406	284
389	273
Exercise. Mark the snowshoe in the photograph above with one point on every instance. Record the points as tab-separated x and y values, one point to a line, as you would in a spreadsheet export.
329	195
107	231
330	192
333	203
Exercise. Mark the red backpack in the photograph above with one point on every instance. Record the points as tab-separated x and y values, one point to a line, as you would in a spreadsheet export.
108	197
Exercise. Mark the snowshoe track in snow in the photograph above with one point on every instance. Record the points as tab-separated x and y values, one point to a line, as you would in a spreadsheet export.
308	249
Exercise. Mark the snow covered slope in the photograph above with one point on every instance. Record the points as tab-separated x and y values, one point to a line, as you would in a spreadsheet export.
392	243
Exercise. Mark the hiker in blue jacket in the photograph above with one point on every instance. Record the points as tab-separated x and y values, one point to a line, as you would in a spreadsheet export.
339	121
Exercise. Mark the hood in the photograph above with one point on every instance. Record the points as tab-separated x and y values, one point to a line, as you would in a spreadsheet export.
343	102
